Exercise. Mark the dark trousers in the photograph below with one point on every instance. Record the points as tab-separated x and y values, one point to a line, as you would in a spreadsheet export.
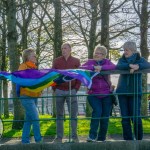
72	108
130	111
100	116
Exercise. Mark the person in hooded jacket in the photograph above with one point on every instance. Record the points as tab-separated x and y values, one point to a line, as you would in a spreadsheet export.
130	89
99	98
29	100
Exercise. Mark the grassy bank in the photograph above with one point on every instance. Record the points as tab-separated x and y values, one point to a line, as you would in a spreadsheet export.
48	126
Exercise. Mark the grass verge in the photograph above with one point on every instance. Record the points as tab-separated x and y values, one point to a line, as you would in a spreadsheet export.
48	126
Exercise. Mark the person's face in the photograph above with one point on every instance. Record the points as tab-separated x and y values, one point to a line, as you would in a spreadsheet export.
66	50
98	55
127	53
32	57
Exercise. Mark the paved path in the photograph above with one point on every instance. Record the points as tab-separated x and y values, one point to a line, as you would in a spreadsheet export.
9	141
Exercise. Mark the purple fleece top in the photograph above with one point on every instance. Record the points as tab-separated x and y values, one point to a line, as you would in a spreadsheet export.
101	83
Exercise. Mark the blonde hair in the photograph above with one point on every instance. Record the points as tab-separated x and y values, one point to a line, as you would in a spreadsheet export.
103	49
26	53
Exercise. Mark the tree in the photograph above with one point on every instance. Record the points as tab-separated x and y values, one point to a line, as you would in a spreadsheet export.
4	64
105	9
92	32
26	11
143	15
13	53
57	29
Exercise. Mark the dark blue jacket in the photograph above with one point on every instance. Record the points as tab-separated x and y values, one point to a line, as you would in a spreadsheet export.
131	83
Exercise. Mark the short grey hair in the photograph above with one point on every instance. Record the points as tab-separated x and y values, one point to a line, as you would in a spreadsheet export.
103	49
26	53
131	46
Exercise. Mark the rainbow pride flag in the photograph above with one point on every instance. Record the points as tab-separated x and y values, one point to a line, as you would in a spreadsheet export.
37	80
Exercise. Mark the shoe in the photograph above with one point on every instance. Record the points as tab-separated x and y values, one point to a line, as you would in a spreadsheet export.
75	140
57	140
90	140
40	142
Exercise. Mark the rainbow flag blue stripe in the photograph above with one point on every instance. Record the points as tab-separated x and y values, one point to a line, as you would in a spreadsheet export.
37	80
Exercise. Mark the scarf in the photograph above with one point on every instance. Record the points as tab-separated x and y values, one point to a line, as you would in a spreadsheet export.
30	65
132	58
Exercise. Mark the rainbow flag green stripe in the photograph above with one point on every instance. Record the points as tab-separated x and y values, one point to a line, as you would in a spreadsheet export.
37	80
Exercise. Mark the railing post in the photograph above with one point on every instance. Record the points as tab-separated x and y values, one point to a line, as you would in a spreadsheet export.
0	98
42	106
70	111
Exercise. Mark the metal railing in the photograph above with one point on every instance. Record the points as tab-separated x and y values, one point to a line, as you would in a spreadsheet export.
42	108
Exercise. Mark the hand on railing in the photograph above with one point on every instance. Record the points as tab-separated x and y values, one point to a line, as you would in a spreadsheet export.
133	67
97	68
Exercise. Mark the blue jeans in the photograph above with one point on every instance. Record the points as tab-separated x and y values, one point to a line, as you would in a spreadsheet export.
100	116
130	108
31	118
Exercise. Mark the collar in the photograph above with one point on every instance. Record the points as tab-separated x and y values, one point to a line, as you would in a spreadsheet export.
68	57
31	65
138	56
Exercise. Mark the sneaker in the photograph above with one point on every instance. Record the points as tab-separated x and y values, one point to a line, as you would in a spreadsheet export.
57	140
90	140
75	140
40	142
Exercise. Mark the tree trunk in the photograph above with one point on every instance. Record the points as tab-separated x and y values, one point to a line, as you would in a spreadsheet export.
57	39
57	29
0	98
5	94
144	49
105	8
4	65
92	40
13	53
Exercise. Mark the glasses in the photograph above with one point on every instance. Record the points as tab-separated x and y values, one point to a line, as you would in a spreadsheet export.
99	53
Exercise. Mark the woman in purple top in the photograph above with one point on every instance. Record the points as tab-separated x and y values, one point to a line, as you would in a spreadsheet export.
101	104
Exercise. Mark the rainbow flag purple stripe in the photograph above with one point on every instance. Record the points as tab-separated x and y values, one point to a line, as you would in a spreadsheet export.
37	80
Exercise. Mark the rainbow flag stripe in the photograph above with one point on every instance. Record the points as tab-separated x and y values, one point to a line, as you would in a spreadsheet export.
37	80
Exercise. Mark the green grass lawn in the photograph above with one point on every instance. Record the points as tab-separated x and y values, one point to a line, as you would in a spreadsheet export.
48	127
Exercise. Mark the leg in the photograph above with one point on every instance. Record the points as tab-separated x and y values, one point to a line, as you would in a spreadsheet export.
26	126
96	105
106	109
60	114
125	113
31	112
135	107
36	125
74	113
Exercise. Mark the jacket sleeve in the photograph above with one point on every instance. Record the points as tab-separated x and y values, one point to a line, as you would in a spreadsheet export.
22	67
87	66
109	66
144	64
122	65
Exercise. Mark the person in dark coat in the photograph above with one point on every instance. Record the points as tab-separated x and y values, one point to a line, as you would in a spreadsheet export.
130	87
